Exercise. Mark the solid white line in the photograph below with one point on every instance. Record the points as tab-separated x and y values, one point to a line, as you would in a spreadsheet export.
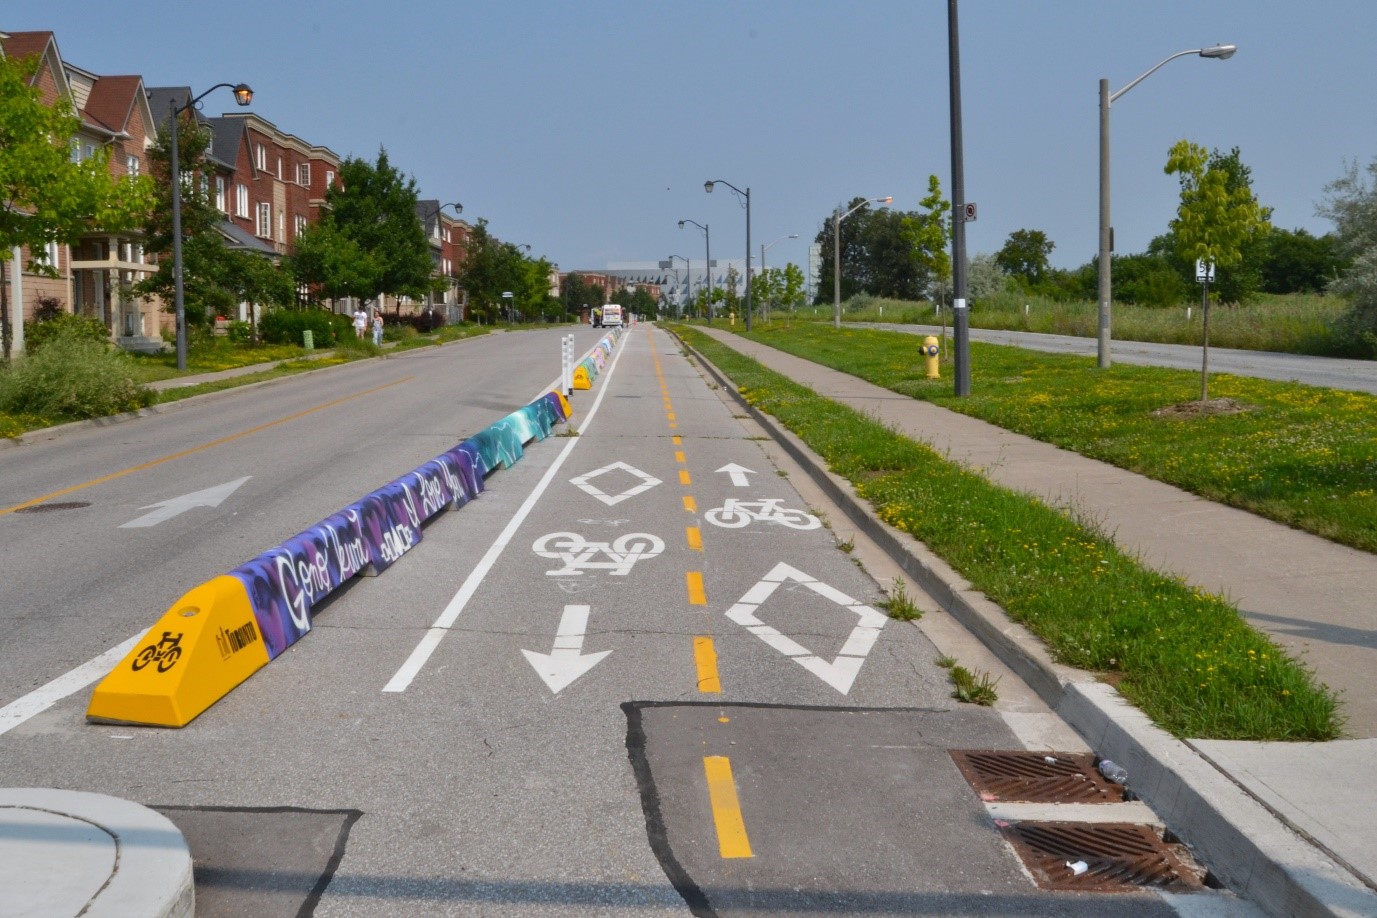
41	699
412	667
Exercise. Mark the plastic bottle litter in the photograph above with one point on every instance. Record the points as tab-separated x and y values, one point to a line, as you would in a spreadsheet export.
1113	772
1077	867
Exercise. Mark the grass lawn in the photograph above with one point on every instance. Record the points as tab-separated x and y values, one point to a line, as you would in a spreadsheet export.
1301	455
1185	657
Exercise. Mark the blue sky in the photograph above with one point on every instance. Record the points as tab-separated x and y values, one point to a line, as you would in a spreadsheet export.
586	129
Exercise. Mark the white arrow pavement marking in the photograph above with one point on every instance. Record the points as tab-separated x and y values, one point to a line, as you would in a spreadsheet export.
841	672
565	663
738	474
165	510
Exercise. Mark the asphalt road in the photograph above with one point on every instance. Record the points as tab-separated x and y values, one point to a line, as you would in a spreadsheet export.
1336	373
635	676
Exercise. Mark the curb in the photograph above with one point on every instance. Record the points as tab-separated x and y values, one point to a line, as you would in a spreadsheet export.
93	855
1247	845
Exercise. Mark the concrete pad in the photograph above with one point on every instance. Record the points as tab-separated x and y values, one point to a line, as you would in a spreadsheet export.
1317	788
71	852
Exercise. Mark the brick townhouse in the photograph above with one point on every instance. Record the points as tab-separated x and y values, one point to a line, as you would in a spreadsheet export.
269	184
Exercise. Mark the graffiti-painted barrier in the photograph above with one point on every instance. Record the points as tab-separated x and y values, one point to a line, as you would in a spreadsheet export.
223	631
589	368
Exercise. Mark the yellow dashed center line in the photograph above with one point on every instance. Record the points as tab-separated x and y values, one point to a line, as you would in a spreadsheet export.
196	449
684	478
679	457
695	538
694	581
705	656
726	808
690	504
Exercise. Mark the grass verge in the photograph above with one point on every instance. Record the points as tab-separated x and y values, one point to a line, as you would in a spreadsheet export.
1183	656
1302	455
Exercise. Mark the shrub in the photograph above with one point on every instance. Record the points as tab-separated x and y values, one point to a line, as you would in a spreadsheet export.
63	325
71	378
239	332
284	326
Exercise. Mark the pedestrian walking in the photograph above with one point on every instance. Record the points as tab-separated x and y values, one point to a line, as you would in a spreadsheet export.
377	328
360	322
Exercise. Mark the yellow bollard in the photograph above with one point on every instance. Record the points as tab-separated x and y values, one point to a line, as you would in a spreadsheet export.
930	352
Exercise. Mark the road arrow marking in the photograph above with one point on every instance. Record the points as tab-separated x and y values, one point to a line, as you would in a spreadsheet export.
166	509
738	474
841	672
565	663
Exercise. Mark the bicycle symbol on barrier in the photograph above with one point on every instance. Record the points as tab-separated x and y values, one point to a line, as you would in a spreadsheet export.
577	553
165	653
737	513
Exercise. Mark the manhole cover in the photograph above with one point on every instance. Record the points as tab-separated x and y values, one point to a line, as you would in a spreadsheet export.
55	505
1100	857
1035	777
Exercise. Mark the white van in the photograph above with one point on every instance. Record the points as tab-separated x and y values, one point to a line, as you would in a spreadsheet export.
611	315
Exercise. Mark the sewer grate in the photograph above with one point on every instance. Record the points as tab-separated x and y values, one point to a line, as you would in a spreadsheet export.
1035	777
55	505
1117	857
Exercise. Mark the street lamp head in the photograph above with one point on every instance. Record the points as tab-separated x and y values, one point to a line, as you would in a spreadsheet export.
888	200
1222	52
243	94
458	208
681	224
707	186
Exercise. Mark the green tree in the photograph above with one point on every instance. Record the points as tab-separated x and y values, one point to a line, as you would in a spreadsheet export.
1217	219
45	196
492	267
576	293
374	207
333	265
928	232
1298	262
1351	202
1025	256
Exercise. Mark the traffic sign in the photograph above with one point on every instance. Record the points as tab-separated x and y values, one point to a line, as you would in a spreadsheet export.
970	212
1204	271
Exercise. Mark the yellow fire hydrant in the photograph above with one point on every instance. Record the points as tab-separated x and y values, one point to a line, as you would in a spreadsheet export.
930	352
733	316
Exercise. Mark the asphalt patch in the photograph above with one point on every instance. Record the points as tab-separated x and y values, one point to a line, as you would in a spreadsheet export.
261	861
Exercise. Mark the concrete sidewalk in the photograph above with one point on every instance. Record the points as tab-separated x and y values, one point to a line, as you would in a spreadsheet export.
1313	597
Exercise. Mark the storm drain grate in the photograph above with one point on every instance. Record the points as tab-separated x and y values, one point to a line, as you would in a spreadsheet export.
1100	857
55	505
1035	777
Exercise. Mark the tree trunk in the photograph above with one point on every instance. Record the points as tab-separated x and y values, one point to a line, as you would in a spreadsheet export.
1205	350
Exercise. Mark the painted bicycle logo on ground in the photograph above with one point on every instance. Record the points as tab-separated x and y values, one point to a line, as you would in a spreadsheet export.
735	514
579	554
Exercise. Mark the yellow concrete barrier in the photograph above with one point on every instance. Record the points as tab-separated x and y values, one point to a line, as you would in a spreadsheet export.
205	645
564	404
581	380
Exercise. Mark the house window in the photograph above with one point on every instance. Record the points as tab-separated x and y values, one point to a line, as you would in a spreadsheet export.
329	178
131	165
303	174
241	200
260	157
221	204
265	221
281	225
46	256
279	168
300	227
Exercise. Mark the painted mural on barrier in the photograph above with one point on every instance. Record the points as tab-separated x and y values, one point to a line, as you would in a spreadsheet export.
285	583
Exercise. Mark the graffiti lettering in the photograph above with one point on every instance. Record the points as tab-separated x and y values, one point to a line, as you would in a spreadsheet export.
396	541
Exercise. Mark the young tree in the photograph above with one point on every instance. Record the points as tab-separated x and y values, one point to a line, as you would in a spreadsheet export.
45	196
1217	218
928	233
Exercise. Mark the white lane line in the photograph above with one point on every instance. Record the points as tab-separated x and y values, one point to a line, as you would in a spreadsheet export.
41	699
412	667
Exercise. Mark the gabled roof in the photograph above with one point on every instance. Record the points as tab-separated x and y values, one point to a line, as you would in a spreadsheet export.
112	101
226	135
24	44
242	239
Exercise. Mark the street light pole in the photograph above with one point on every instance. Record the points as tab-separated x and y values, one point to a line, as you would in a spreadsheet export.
837	218
243	95
707	186
1107	98
961	320
688	268
707	261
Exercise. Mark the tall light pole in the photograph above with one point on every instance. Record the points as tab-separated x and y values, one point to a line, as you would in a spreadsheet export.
688	269
961	319
707	186
707	261
1107	98
763	249
837	218
242	95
